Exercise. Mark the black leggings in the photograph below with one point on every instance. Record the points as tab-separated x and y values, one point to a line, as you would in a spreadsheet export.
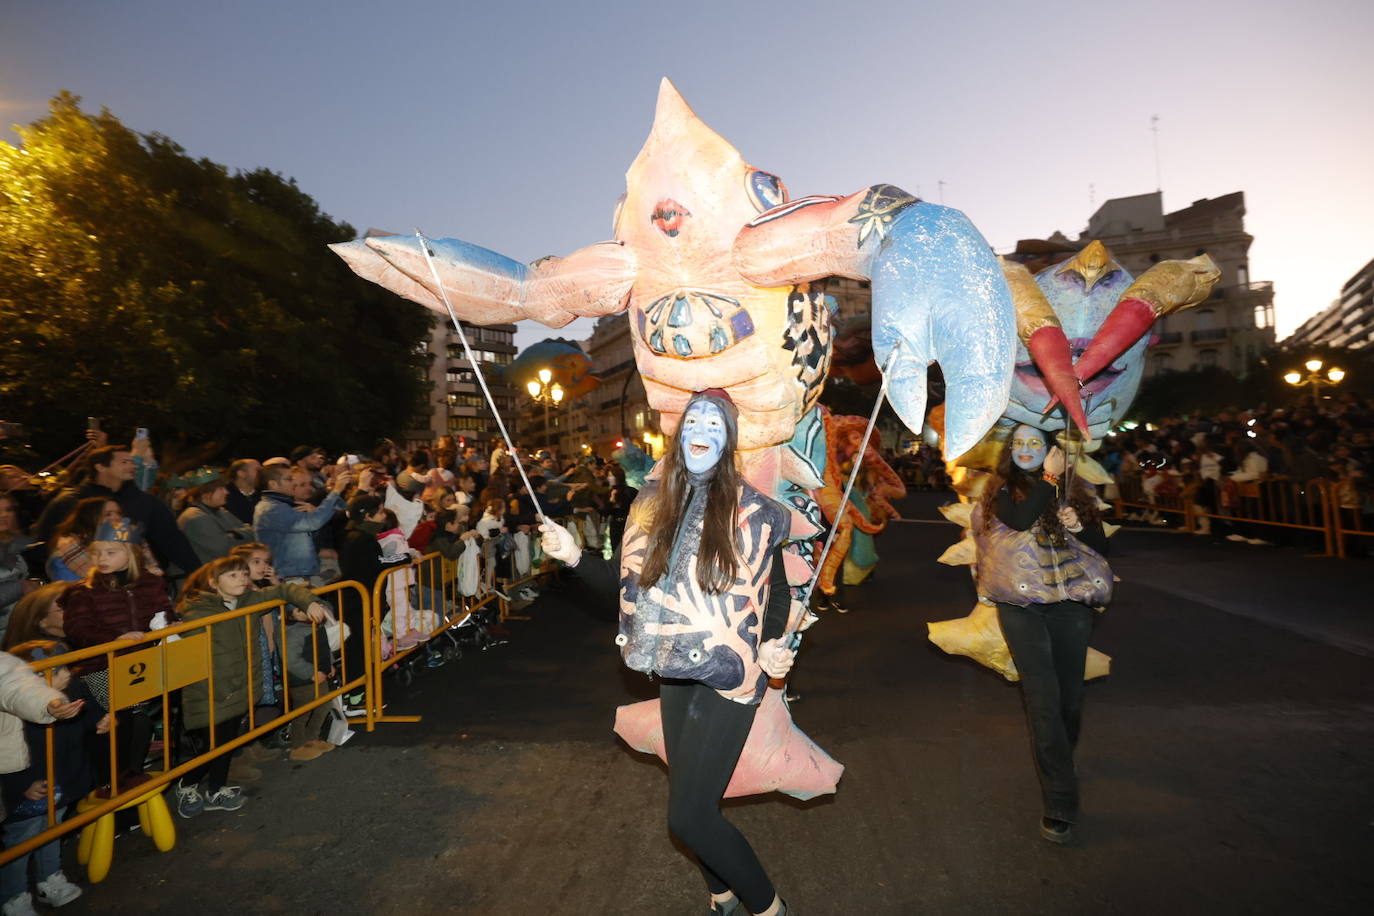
217	769
704	734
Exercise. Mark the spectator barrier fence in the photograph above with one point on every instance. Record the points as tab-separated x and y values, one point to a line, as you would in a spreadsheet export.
1273	502
154	668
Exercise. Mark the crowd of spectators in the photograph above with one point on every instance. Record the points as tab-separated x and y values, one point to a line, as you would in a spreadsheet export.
113	550
1220	463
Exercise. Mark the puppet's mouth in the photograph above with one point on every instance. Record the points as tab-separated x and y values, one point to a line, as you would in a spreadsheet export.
1029	373
668	216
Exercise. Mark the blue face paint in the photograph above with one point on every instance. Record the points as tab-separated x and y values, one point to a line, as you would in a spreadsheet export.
1028	447
702	436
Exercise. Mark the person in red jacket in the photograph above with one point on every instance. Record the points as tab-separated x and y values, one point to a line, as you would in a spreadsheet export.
119	599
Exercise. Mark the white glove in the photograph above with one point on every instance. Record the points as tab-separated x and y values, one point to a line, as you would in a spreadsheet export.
558	542
775	658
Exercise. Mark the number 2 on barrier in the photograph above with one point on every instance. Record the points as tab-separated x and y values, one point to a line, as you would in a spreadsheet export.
135	677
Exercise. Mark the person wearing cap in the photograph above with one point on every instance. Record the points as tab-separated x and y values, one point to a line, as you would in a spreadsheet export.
310	459
704	603
119	600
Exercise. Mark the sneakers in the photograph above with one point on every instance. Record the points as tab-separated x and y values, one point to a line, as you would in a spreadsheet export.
225	798
19	905
1258	542
56	890
1056	831
1235	537
355	705
189	801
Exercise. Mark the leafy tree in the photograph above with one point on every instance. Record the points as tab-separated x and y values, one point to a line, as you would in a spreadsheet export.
148	288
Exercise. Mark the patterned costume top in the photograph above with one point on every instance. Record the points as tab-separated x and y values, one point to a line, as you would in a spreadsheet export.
676	629
1026	567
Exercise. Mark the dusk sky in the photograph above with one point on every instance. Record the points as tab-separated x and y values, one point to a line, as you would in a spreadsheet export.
511	124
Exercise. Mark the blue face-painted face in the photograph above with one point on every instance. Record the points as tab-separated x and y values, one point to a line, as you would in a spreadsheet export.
702	436
1028	447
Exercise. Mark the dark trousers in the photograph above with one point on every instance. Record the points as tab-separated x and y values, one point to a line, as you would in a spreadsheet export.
217	770
1049	643
704	734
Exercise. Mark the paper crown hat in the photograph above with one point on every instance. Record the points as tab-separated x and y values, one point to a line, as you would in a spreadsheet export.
121	531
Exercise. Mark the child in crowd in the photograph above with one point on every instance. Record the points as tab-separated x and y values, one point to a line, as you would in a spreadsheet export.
38	615
224	585
119	599
25	793
309	667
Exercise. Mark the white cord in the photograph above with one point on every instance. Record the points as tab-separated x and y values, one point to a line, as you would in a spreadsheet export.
481	380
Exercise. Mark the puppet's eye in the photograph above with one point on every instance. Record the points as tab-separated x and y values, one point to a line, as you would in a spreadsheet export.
766	191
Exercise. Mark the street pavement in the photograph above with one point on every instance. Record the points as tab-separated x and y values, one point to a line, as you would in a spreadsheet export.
1225	764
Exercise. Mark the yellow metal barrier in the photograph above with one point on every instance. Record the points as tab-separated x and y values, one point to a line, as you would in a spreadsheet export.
1276	502
143	669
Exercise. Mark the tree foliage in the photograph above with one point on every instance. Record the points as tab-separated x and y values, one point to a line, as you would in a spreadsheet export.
1211	390
148	288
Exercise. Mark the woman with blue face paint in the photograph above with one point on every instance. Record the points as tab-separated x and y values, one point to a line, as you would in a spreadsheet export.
1040	560
703	604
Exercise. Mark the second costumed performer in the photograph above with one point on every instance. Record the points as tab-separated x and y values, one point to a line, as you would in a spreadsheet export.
703	602
1042	563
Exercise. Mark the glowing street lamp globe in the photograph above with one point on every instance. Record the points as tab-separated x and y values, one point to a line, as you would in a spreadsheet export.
545	375
1335	374
533	388
1313	365
1292	378
556	392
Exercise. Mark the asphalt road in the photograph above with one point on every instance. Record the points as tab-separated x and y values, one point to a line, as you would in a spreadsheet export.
1226	767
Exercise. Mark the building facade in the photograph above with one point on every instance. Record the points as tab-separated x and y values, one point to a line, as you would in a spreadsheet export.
455	405
1347	322
1236	323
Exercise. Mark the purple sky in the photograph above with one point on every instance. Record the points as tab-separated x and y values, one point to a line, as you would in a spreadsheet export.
510	125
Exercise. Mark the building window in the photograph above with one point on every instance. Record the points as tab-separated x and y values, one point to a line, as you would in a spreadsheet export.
1208	359
1205	320
639	419
1162	362
462	375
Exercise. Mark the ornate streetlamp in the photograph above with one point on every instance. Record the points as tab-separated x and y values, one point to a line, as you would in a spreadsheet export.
1314	378
547	392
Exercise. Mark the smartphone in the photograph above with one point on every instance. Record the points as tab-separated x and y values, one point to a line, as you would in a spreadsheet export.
141	433
93	424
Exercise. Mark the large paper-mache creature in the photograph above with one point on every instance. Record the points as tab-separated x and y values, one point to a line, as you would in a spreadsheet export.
1106	316
715	266
868	509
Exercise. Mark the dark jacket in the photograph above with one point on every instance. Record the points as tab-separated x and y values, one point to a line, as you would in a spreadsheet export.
71	760
307	651
360	557
229	652
242	506
151	515
108	608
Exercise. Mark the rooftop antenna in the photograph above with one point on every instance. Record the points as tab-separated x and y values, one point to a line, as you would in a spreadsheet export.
941	184
1154	129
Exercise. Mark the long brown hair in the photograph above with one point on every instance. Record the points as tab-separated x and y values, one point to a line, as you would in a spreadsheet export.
1018	483
32	608
717	565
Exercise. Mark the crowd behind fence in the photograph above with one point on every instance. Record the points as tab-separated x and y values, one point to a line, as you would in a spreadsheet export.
161	665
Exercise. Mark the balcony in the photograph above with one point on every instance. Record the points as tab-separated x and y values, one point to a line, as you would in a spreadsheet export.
1210	335
1168	338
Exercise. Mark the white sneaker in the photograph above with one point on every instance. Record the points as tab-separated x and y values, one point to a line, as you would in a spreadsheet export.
56	890
226	798
1235	537
19	905
1259	542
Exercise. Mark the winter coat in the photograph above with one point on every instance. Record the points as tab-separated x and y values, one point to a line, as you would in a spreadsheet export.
23	695
212	532
72	768
13	571
229	648
108	608
289	533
